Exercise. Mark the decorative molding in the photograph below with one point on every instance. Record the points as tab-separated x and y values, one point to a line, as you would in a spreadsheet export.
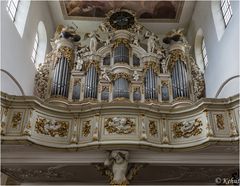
187	129
119	125
47	127
152	128
86	129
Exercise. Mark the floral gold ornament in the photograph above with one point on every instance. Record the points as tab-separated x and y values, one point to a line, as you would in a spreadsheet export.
187	129
152	128
121	75
220	121
86	128
65	52
198	80
47	127
119	125
174	56
153	65
41	81
16	119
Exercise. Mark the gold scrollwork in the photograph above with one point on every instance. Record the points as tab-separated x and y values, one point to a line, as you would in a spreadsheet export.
220	121
187	129
66	52
121	40
86	128
152	128
119	125
153	65
174	56
94	63
121	75
16	119
47	127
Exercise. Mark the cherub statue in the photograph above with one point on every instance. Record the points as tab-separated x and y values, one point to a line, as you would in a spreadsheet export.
135	75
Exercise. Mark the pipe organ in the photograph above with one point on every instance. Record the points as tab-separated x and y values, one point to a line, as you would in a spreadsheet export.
120	64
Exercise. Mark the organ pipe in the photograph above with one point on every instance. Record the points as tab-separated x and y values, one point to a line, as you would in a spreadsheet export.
91	83
179	79
61	78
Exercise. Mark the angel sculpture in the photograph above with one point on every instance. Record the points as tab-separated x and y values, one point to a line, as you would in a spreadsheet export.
79	63
151	44
135	40
117	168
135	75
105	76
94	38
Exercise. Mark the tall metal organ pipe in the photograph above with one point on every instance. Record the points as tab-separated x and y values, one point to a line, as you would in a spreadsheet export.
150	84
61	78
179	80
91	82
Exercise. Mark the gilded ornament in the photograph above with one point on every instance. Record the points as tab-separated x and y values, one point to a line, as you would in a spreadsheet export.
92	62
47	127
41	81
151	64
187	129
197	79
65	52
86	128
120	41
121	75
152	128
174	56
16	119
119	125
220	121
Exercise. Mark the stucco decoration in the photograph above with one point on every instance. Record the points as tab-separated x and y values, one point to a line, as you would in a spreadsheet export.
197	79
119	125
117	168
47	127
41	81
187	129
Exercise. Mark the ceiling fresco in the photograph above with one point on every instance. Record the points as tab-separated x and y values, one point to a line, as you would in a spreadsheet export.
161	11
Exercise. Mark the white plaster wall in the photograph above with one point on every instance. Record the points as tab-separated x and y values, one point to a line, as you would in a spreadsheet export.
16	50
223	55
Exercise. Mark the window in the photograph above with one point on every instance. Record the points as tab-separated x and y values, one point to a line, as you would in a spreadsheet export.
204	54
35	48
226	11
12	6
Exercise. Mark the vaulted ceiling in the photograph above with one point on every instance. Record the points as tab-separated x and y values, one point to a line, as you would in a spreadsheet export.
157	16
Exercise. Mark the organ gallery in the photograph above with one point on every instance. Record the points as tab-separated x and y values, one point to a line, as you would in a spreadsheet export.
122	92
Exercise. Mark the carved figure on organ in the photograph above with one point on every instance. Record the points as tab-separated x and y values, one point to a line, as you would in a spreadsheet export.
79	63
151	43
94	38
135	75
105	76
135	40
